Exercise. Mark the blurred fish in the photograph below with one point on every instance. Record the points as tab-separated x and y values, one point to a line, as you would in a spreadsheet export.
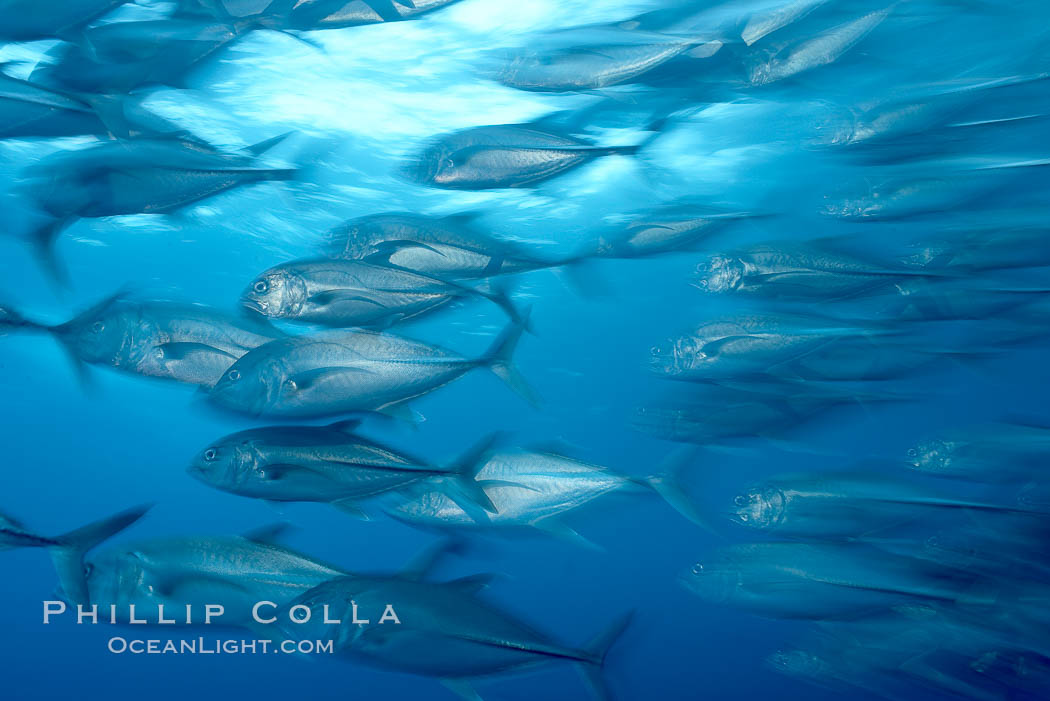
233	571
310	15
818	51
449	247
119	57
339	292
31	20
68	550
769	19
28	110
787	347
534	489
184	342
445	631
844	506
346	371
506	155
617	57
811	581
985	453
135	177
667	230
331	464
812	271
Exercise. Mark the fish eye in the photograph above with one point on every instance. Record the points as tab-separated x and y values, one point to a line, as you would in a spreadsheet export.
234	375
698	568
98	327
88	569
290	385
210	454
448	163
261	286
912	452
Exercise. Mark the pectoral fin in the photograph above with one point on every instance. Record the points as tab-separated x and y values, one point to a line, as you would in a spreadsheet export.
184	351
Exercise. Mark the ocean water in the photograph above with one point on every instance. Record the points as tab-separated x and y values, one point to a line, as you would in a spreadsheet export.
360	102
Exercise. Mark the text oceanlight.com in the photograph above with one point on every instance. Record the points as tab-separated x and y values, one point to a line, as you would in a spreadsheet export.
200	646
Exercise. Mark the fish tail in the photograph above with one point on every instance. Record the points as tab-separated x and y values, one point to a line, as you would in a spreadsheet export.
499	294
43	244
668	484
499	359
465	482
597	650
68	555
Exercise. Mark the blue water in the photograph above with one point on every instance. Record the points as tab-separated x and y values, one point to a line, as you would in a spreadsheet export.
362	101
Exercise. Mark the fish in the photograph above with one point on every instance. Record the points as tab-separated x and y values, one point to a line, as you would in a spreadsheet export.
29	110
332	464
822	581
988	453
186	343
32	20
340	293
448	247
816	52
535	490
68	550
768	20
667	230
845	506
142	176
812	271
120	57
445	632
233	571
505	156
621	58
309	15
336	372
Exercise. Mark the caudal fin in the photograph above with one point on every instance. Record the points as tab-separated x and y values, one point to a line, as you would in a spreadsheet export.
43	243
668	484
499	359
499	294
465	471
598	650
68	555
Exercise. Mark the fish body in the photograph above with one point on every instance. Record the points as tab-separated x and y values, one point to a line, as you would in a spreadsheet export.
668	230
504	156
766	21
592	67
818	581
31	20
446	247
819	51
525	487
799	272
28	110
233	571
338	14
989	453
344	371
330	464
137	177
341	292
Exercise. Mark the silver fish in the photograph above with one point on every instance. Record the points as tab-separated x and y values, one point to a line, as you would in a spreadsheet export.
339	292
331	464
355	370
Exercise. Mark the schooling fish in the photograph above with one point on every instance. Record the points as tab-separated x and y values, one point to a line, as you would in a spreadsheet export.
448	247
821	50
135	177
507	155
985	453
445	631
620	58
340	292
68	550
820	581
814	271
336	372
184	342
233	571
32	20
28	110
666	230
532	490
768	20
333	465
843	506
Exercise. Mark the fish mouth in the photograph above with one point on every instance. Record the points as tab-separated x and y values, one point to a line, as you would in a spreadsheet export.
254	305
